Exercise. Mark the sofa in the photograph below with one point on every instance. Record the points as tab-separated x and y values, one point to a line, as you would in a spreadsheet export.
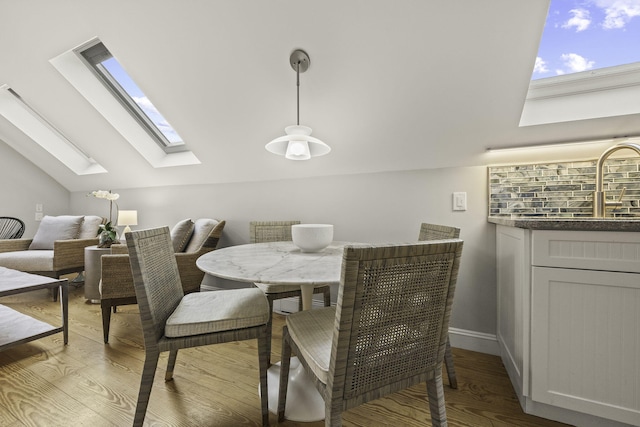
56	249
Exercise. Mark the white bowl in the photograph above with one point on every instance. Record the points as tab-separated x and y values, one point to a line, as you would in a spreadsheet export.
312	237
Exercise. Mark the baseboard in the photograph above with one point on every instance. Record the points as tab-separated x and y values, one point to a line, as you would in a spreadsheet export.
474	341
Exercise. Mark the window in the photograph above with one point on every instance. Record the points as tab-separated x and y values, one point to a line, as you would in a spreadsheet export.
44	133
95	74
588	63
131	96
583	35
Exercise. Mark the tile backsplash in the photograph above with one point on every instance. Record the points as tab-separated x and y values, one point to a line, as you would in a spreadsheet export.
562	189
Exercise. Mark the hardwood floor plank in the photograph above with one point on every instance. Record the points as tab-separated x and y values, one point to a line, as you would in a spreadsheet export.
44	383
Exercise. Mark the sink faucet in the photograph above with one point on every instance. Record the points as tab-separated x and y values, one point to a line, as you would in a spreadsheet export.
599	202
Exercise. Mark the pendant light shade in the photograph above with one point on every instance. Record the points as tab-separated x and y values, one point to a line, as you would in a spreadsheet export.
298	144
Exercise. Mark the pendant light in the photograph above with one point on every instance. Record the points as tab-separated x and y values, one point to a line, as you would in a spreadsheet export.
298	144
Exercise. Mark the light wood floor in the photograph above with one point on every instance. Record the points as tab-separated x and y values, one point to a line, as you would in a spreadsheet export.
88	383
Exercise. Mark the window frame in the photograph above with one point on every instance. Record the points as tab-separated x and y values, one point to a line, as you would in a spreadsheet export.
93	55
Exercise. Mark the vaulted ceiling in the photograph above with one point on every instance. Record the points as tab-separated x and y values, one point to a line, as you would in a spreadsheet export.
393	85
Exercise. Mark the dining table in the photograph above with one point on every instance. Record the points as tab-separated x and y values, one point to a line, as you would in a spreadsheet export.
282	263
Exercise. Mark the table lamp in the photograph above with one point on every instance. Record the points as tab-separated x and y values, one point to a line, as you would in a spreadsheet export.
127	218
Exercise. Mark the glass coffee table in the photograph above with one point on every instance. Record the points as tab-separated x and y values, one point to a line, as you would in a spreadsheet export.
18	328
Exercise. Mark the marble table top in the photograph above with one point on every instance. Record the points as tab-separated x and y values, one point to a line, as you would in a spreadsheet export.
280	263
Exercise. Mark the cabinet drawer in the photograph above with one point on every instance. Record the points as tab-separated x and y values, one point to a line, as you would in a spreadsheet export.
588	250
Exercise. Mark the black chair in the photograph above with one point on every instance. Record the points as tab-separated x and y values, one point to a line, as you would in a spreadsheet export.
11	228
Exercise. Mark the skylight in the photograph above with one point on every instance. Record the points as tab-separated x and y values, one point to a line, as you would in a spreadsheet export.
123	86
583	35
45	134
89	69
588	63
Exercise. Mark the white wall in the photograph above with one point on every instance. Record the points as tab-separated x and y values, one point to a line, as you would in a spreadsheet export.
23	186
380	207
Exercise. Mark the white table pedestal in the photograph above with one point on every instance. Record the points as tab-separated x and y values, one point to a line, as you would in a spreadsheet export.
304	403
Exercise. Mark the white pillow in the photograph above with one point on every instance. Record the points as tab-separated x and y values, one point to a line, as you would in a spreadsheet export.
52	228
201	231
89	227
180	234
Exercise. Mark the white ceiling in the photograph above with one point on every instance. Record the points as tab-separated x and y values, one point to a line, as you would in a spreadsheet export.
393	85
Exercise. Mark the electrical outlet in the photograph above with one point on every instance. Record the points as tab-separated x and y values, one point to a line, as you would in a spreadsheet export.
39	216
460	201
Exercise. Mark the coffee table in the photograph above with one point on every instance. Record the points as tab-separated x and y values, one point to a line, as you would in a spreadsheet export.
18	328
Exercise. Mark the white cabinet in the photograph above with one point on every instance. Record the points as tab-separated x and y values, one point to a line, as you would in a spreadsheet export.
569	323
513	278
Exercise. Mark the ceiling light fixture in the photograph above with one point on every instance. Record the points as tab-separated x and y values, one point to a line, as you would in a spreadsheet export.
298	144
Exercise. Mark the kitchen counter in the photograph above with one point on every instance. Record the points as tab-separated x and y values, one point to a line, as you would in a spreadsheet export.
584	224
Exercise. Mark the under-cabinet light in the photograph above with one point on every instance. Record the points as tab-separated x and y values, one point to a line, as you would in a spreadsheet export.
558	144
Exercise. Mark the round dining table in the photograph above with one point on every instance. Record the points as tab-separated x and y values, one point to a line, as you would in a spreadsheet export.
282	263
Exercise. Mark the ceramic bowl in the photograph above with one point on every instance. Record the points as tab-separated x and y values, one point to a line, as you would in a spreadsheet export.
312	237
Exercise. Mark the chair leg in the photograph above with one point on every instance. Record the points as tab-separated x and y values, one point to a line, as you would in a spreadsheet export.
269	330
327	296
448	363
146	382
106	319
263	362
171	363
437	407
326	293
333	413
285	361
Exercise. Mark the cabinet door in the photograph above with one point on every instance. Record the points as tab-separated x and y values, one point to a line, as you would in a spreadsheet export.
513	274
585	341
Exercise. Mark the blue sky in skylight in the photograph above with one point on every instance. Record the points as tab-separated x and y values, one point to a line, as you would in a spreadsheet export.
135	93
582	35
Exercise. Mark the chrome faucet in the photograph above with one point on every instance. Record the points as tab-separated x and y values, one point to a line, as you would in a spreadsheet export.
599	202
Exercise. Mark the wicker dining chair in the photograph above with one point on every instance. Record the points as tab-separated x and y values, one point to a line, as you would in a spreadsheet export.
439	232
172	320
280	231
388	331
11	228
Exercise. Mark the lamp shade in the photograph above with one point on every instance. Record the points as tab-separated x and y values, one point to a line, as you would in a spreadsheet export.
298	144
127	218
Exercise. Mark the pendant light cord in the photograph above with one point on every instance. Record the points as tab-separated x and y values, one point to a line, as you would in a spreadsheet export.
298	92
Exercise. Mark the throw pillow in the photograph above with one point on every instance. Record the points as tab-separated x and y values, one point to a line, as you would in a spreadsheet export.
52	228
180	234
201	231
89	227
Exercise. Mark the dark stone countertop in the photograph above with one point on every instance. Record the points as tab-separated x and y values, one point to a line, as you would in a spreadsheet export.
583	224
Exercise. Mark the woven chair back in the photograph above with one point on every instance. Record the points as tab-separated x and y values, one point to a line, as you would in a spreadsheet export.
270	231
11	228
437	232
392	317
155	278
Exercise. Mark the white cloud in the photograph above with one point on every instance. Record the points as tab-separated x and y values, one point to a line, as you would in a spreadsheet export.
580	20
574	63
152	112
618	12
540	66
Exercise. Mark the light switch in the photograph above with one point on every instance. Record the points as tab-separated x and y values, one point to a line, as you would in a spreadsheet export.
459	201
39	207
